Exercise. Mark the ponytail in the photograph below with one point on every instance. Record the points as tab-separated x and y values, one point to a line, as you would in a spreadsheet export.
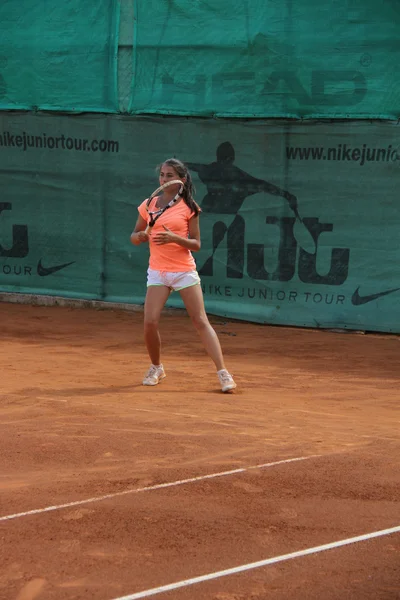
188	193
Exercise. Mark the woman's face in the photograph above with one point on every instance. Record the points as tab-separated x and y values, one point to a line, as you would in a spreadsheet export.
168	173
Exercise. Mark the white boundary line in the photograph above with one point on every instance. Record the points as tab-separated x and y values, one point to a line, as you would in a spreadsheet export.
156	487
257	565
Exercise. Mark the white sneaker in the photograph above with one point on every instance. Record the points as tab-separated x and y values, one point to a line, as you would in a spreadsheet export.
154	375
226	380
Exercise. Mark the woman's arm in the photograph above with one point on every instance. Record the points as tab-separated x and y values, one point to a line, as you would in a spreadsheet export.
138	235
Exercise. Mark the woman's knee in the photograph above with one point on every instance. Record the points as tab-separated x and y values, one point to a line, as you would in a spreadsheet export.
151	322
200	321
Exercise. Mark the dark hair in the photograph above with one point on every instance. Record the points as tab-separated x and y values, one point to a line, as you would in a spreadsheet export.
188	188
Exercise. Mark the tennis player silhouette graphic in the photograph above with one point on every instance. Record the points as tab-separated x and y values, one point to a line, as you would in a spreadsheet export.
228	186
227	189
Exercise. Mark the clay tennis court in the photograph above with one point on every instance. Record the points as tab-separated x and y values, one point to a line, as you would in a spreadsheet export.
112	490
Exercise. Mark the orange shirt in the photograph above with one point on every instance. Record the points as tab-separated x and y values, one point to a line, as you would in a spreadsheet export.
170	257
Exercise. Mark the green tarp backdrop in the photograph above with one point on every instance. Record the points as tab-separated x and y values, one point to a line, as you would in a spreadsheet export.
227	58
300	222
59	55
286	58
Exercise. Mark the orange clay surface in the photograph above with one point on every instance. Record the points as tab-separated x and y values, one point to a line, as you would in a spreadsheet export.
76	425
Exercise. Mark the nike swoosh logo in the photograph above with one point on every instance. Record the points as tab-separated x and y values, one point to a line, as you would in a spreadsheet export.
358	300
44	271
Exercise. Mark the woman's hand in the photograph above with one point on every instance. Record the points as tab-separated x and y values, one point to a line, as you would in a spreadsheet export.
138	237
142	236
165	237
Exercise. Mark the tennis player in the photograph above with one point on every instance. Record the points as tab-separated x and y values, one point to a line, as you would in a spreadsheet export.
172	239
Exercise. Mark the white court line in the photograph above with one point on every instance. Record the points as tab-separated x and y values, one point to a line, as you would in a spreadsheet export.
257	565
156	487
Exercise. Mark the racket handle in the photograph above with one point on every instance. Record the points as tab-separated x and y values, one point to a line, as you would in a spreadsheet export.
147	230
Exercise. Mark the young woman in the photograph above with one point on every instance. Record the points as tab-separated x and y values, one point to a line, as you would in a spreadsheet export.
172	239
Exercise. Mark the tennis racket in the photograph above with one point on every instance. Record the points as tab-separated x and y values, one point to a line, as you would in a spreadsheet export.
156	214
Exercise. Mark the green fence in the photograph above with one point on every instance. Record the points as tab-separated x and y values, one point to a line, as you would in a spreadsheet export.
242	58
59	55
300	222
236	58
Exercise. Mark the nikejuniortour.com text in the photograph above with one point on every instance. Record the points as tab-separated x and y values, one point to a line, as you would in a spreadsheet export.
344	152
26	141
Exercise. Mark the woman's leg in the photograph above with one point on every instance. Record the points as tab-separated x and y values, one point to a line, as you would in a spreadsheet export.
194	303
156	298
193	299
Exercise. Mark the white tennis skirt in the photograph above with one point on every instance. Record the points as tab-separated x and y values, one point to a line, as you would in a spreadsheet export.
174	281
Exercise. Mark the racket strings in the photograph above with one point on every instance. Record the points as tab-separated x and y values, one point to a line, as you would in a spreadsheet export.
155	214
